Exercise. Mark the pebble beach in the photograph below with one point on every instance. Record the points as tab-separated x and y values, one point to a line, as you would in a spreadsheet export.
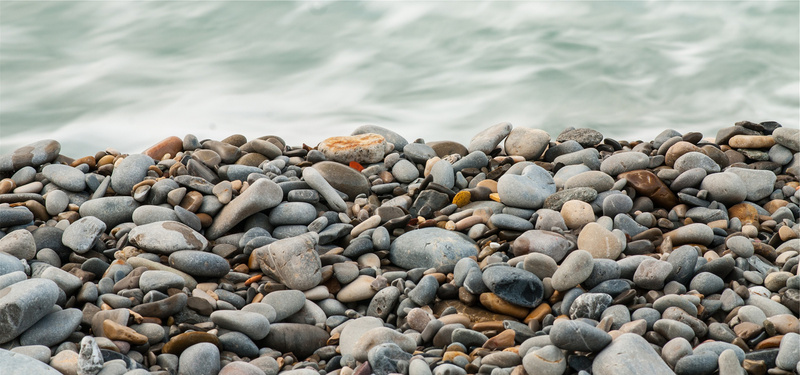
522	252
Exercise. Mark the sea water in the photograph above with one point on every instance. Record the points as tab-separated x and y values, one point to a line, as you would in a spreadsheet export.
126	74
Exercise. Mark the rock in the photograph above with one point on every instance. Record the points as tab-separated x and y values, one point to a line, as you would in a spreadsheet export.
443	174
19	243
164	308
110	210
390	136
81	235
788	355
691	234
624	162
11	362
425	291
199	263
178	343
292	261
577	213
300	339
285	303
241	368
365	148
23	304
254	325
358	290
599	242
89	359
695	159
726	188
548	360
52	329
200	359
166	237
129	172
584	136
552	244
514	285
118	332
579	336
33	155
160	281
575	269
589	305
528	190
340	177
526	142
488	139
629	354
649	185
385	359
740	246
431	248
700	364
652	274
381	335
758	183
65	177
261	195
599	181
786	137
676	349
292	213
168	146
405	171
707	283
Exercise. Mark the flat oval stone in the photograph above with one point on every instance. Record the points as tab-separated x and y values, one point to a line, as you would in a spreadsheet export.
365	148
405	171
160	281
726	188
589	305
389	135
129	172
599	242
629	354
300	339
696	233
431	248
166	237
53	328
574	270
343	178
200	359
33	155
292	213
292	261
579	336
199	263
526	142
65	177
254	325
528	190
489	138
110	210
514	285
81	235
261	195
22	305
624	162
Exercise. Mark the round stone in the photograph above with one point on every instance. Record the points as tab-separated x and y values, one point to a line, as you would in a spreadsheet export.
726	188
199	263
740	246
199	359
579	336
81	235
574	270
254	325
431	248
514	285
526	142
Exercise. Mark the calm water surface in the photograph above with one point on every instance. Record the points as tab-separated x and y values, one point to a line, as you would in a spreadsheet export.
126	74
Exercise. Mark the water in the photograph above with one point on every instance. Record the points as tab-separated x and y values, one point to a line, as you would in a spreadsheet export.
127	74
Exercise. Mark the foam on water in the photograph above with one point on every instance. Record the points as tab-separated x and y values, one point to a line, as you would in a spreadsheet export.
126	74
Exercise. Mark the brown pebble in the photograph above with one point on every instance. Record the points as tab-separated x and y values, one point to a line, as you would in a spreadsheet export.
192	201
502	340
170	145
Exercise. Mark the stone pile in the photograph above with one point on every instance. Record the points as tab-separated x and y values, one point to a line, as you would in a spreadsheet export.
515	254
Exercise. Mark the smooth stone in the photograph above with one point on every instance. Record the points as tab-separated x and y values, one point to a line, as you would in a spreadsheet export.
19	243
418	153
728	363
300	339
431	248
354	330
390	136
405	171
548	360
551	244
468	337
575	269
292	213
789	355
584	136
514	285
740	246
510	222
166	237
22	305
200	359
786	137
624	162
443	174
671	329
358	290
188	280
242	368
652	274
758	183
617	204
261	195
697	364
526	142
696	233
53	328
688	179
254	325
14	362
599	242
696	159
81	235
68	282
577	214
578	336
159	280
199	263
629	354
129	172
33	155
675	349
110	210
381	335
384	301
342	178
707	283
164	308
65	177
596	180
726	188
425	291
489	138
364	148
649	185
151	214
674	300
387	358
540	265
528	190
292	261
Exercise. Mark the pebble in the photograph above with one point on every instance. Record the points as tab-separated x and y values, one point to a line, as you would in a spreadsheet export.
629	354
129	172
578	336
526	142
486	140
19	243
431	248
33	155
575	269
200	359
362	148
599	242
514	285
81	235
528	190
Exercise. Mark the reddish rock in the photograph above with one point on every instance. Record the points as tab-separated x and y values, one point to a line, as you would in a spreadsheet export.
648	184
170	145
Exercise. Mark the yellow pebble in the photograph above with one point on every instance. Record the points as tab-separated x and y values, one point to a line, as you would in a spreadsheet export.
495	197
462	198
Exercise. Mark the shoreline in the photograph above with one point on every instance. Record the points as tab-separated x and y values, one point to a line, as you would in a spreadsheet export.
520	252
